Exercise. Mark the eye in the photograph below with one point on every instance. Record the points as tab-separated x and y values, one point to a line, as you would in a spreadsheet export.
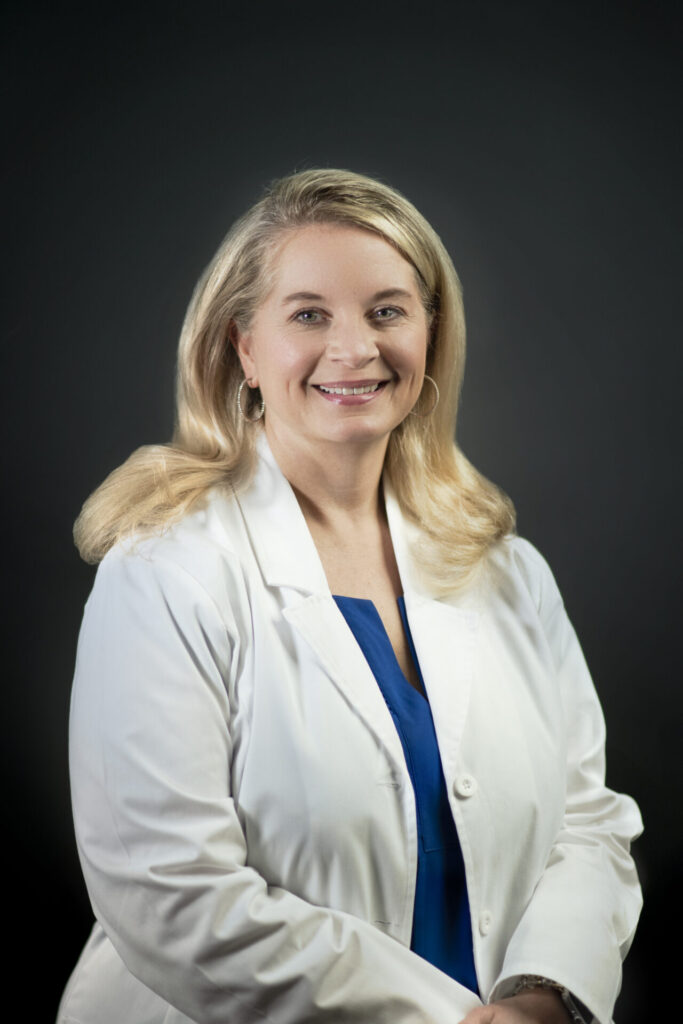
389	309
306	312
309	313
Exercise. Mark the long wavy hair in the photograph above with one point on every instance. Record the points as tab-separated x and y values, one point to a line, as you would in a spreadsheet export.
459	512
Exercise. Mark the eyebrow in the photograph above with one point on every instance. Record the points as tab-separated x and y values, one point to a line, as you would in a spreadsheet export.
387	293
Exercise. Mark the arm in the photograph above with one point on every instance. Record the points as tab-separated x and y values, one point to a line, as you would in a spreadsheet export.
161	846
581	919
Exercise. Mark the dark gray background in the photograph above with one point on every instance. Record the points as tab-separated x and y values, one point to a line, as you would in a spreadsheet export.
543	143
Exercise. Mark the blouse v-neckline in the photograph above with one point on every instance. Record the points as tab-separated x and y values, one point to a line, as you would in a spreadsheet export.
371	613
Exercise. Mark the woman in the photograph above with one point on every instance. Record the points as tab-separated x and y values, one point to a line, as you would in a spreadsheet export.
335	752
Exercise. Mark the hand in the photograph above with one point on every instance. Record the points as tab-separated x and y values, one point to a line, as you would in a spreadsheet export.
537	1006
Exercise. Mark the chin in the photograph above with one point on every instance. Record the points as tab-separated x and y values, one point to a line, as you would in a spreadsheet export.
358	432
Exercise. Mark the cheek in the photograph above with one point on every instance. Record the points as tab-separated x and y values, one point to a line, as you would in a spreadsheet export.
413	355
285	364
296	366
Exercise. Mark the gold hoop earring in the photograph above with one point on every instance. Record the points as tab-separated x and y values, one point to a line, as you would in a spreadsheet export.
424	415
249	419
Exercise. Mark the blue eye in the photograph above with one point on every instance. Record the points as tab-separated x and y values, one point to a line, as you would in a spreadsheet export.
315	312
306	311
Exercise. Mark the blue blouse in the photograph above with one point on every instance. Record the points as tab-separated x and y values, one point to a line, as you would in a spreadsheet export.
442	931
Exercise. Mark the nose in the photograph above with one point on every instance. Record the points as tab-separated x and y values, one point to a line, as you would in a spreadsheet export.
353	345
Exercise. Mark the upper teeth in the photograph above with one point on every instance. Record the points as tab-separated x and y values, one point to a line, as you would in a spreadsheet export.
350	391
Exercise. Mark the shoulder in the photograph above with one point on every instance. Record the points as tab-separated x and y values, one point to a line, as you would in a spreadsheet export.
193	560
514	564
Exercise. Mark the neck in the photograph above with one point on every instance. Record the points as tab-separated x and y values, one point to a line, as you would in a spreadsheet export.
334	483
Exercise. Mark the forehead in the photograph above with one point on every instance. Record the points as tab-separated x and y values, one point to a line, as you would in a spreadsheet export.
323	255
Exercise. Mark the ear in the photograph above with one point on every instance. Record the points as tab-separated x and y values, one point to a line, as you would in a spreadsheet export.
242	345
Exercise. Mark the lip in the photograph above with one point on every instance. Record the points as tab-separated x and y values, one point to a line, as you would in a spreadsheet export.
351	399
368	382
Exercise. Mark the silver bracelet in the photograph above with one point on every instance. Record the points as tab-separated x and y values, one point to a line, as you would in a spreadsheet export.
536	981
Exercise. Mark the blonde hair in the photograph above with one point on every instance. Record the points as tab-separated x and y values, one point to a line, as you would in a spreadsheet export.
460	513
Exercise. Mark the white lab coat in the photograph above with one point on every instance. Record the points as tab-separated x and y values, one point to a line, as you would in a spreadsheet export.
244	815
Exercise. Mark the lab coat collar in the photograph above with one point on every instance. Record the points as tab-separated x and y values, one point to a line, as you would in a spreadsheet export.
279	535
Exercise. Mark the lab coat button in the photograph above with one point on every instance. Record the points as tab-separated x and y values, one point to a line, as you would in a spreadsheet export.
485	921
465	785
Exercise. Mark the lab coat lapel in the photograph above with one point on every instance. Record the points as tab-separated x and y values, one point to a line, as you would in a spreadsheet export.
288	559
445	634
319	621
445	642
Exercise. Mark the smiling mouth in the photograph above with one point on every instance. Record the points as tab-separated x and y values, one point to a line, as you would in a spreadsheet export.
361	389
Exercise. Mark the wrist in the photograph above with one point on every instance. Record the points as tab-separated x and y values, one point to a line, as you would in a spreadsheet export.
540	1005
529	983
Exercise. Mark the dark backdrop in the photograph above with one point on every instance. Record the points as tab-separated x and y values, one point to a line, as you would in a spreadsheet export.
542	142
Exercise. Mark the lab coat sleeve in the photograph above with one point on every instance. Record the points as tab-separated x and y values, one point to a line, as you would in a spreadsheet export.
159	838
580	922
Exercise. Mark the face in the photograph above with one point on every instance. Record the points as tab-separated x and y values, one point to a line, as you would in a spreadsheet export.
338	348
